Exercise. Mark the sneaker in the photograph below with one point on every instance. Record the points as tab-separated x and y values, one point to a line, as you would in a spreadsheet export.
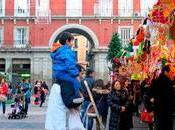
78	100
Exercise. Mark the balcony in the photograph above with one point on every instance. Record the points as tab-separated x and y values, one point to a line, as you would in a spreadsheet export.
14	45
61	14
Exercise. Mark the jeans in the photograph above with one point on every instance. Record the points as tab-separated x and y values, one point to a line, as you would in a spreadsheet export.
27	101
42	101
3	106
82	115
69	78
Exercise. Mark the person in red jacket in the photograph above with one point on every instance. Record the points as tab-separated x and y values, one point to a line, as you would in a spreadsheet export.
3	92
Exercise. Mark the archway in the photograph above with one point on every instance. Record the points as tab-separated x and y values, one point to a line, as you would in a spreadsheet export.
81	30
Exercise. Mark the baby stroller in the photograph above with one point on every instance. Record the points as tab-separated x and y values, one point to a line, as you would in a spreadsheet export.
17	108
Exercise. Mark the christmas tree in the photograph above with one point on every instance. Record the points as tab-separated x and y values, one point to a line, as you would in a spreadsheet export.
115	47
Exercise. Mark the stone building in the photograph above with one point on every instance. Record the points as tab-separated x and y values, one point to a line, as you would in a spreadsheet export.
29	27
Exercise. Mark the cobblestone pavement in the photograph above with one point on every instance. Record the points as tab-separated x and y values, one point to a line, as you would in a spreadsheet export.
36	118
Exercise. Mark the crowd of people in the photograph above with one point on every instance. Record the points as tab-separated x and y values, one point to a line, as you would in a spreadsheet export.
20	94
40	91
151	99
154	97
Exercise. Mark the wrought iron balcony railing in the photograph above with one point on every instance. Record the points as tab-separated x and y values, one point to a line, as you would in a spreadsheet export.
16	44
12	13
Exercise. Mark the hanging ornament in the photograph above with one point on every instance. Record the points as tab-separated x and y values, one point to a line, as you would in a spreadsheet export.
140	35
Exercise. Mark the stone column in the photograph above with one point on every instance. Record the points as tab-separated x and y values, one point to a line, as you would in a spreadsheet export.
100	67
32	70
47	70
8	67
36	68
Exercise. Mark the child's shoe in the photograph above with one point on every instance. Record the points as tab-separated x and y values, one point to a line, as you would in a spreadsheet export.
78	100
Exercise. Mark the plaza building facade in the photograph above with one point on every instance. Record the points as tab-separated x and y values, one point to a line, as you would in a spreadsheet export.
28	28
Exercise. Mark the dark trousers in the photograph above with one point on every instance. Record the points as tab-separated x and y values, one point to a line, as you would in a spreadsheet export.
27	101
163	122
36	99
42	101
3	106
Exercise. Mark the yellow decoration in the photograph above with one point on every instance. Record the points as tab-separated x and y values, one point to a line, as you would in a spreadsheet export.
136	76
135	68
123	70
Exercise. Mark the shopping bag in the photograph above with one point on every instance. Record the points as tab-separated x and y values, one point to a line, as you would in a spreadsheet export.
3	98
146	116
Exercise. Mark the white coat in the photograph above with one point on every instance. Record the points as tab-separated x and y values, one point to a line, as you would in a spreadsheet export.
57	114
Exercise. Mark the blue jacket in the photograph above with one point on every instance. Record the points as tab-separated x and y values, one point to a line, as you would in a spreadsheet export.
64	61
26	89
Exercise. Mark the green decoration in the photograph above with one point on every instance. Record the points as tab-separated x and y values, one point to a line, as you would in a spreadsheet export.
121	53
164	61
127	55
115	47
129	47
140	49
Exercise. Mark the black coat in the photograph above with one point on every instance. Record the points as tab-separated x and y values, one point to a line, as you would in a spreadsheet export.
101	102
126	121
162	91
114	101
90	82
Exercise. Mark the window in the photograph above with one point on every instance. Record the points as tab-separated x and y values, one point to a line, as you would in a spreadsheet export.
1	36
42	8
125	8
2	65
21	37
73	8
22	8
104	8
146	6
76	43
125	34
2	8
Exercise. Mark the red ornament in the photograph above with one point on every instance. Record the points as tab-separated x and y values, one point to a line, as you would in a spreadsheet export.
136	42
140	35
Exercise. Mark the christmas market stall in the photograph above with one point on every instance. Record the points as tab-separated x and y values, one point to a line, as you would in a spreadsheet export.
153	45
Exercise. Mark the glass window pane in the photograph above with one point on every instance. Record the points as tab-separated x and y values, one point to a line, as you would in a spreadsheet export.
21	36
125	7
21	8
75	10
125	34
43	7
146	6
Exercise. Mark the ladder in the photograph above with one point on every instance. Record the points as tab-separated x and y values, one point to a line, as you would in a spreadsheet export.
94	106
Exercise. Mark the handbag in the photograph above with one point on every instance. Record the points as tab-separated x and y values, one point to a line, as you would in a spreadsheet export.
146	116
3	98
